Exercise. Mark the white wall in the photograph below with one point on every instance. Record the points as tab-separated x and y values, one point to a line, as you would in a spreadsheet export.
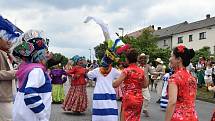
196	43
160	43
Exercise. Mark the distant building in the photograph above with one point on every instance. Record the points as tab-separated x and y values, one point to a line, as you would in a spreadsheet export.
193	35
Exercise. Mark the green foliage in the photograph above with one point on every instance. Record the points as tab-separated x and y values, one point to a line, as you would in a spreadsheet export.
100	50
203	52
62	58
146	43
58	58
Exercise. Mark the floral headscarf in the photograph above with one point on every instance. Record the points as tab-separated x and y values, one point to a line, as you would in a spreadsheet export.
76	58
32	47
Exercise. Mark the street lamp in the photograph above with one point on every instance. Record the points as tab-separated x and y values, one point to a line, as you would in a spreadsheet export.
90	55
122	29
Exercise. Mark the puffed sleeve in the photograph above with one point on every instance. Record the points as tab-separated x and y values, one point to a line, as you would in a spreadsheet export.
92	74
116	73
125	71
174	79
71	71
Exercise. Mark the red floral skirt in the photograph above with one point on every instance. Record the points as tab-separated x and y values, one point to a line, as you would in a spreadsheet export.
213	117
76	99
131	106
184	113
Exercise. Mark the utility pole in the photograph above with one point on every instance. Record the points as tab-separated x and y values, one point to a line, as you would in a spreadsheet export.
122	29
90	55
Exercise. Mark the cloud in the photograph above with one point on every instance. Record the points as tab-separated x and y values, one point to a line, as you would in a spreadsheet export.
57	4
63	20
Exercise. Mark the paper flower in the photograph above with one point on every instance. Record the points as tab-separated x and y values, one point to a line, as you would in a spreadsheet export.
181	48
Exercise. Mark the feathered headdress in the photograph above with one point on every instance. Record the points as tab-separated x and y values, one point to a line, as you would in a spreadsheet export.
8	31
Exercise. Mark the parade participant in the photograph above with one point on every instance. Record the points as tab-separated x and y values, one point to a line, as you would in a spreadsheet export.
76	98
67	67
164	96
92	66
182	87
143	60
208	74
134	80
58	76
104	95
200	66
7	74
33	100
159	81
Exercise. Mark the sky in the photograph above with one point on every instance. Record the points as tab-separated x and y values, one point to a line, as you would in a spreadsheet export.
63	20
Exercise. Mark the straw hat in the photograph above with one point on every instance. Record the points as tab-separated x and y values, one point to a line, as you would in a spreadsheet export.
146	57
159	60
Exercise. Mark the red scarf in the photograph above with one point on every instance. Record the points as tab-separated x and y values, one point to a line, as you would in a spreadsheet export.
105	71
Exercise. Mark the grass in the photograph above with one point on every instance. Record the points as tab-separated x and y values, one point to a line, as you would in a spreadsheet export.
204	95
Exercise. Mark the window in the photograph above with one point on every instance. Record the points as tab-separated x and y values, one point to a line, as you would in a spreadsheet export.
180	40
165	43
190	38
202	35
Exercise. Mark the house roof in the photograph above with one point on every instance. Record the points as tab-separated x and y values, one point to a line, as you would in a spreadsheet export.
178	28
166	32
196	25
138	32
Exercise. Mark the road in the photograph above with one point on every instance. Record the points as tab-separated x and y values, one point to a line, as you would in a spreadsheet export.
204	111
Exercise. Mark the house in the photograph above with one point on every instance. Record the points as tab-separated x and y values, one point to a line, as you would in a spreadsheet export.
193	35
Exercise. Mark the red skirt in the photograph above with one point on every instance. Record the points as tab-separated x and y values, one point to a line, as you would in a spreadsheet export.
213	117
76	99
132	111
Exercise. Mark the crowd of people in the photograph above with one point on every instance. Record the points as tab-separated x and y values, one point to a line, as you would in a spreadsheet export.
26	94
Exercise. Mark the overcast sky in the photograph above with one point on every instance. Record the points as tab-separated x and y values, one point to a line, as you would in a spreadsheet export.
62	20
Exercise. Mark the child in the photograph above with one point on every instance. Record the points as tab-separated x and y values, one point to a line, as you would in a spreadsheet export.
58	76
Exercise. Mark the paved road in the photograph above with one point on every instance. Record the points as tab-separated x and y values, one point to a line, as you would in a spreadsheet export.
204	110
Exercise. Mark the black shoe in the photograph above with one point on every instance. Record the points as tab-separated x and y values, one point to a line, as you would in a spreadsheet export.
146	113
158	101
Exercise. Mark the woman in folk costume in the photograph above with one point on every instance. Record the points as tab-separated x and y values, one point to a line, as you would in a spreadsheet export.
58	76
104	96
76	98
33	100
182	87
134	80
8	35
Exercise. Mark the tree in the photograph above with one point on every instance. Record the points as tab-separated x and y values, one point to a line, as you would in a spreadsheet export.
100	50
147	43
203	52
57	58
